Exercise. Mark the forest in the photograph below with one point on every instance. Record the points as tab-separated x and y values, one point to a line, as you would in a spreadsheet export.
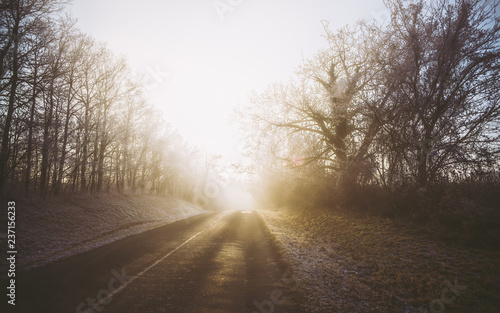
395	115
75	118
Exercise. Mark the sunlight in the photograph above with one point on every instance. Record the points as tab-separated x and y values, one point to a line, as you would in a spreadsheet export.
200	65
235	198
205	148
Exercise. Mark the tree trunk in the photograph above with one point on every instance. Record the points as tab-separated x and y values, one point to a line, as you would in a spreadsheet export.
46	143
56	150
83	159
4	153
29	149
62	160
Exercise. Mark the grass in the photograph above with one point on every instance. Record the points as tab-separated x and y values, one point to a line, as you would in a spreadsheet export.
48	229
357	263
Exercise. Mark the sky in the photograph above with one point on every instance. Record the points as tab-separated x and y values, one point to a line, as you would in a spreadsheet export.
203	58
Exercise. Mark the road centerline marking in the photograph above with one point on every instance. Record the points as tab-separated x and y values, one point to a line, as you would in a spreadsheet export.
125	284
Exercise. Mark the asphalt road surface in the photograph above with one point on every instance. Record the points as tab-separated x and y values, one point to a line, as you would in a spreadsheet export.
215	262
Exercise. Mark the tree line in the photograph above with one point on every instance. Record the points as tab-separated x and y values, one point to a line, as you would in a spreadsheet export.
412	101
73	116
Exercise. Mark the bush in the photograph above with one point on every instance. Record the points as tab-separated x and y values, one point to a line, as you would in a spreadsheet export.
468	212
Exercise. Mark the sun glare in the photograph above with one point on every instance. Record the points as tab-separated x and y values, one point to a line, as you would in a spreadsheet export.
236	198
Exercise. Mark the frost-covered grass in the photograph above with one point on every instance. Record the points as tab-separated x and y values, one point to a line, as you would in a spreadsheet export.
348	263
51	229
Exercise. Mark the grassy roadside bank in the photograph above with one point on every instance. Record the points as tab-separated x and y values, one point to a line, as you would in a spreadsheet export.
348	263
54	228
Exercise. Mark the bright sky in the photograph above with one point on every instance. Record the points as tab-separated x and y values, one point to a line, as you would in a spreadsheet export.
202	62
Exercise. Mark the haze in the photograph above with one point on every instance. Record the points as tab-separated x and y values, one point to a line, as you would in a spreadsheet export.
202	62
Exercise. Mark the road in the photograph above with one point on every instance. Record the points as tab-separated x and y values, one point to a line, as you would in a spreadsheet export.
215	262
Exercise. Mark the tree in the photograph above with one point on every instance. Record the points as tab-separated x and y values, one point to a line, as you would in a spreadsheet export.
19	20
448	101
331	111
402	103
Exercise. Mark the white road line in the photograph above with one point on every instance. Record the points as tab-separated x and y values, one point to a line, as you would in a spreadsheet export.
123	286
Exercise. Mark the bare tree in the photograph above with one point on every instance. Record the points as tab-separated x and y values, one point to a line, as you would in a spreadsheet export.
401	103
331	107
19	20
74	118
448	101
